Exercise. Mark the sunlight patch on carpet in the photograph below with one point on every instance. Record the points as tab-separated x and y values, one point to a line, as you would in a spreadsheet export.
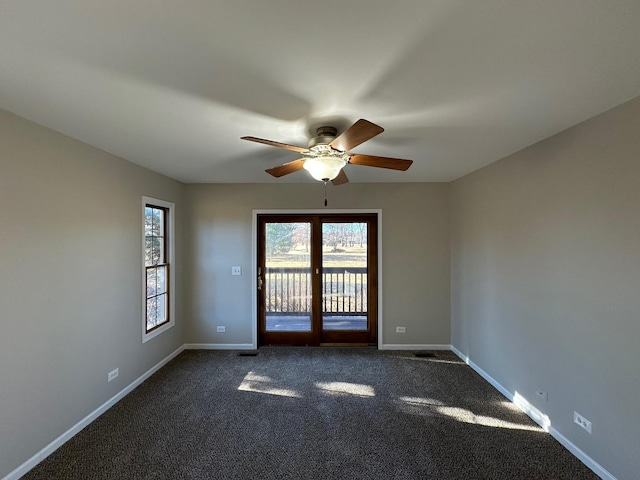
436	360
420	401
467	416
343	388
263	384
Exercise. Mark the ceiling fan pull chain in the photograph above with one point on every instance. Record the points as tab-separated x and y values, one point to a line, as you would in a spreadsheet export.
325	194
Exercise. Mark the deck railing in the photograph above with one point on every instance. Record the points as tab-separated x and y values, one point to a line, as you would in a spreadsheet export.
288	290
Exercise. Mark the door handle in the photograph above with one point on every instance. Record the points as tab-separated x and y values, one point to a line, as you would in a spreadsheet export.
259	278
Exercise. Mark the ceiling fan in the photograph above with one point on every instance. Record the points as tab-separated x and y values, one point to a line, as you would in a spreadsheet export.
327	153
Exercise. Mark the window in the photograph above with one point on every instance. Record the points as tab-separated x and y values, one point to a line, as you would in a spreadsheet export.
158	259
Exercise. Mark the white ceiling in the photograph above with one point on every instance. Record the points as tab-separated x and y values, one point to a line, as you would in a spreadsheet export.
174	85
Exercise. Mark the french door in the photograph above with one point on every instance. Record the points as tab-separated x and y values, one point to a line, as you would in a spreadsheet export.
317	279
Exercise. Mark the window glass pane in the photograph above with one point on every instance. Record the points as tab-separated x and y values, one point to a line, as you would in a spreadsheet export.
152	312
158	222
161	280
152	282
154	222
148	219
155	251
161	302
154	227
148	242
160	250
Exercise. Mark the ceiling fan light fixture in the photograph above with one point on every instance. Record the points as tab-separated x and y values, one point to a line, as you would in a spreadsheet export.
327	154
324	168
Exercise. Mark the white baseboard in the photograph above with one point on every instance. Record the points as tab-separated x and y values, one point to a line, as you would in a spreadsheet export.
219	346
66	436
483	374
402	346
538	417
583	457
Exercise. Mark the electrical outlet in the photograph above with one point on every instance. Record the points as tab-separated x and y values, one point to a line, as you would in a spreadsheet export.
401	330
221	329
583	422
112	374
542	395
236	270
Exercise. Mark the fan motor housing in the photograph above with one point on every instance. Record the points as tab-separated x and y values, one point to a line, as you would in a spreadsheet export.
324	136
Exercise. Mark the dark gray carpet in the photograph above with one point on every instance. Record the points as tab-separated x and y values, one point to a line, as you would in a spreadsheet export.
313	413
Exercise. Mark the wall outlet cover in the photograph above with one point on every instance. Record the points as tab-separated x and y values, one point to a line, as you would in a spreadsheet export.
112	374
583	422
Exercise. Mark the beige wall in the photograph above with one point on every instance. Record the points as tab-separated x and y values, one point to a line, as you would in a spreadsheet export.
546	280
70	282
415	255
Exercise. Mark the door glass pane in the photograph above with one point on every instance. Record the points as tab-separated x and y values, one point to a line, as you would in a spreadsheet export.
344	276
287	277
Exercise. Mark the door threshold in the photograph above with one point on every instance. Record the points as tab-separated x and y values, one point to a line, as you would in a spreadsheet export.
336	344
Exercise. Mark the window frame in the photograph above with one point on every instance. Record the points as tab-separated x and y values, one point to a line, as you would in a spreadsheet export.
169	262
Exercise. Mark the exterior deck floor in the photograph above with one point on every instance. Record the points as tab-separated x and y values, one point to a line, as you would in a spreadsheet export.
286	323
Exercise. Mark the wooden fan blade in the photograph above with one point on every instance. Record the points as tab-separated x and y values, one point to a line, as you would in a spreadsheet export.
359	132
276	144
380	162
286	169
340	179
